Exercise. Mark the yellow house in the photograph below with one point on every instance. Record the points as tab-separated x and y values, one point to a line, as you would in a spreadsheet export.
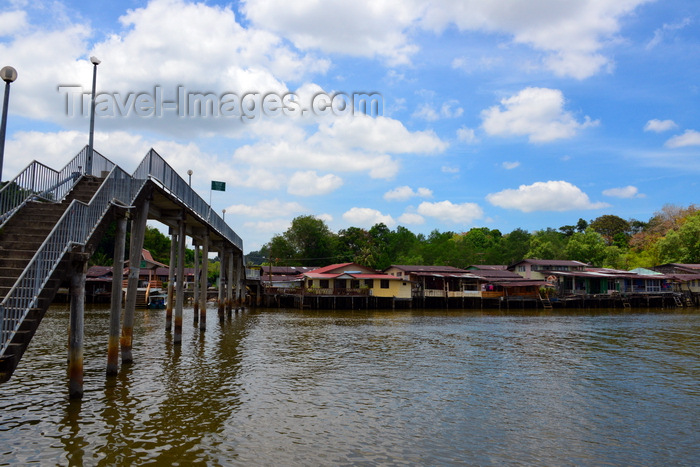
352	279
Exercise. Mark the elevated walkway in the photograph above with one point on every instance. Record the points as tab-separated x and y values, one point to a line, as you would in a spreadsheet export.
49	218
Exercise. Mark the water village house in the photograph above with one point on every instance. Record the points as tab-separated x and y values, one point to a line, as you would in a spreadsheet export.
353	279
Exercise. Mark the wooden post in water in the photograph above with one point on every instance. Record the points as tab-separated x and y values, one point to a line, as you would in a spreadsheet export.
195	292
77	319
171	277
204	278
180	290
138	231
230	283
116	310
222	281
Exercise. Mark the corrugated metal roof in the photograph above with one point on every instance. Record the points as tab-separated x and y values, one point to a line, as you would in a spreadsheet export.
414	269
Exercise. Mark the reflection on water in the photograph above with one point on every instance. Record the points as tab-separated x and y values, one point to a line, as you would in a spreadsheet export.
366	387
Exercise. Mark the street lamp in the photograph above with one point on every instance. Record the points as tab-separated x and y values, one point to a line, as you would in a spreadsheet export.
88	166
189	173
224	212
8	75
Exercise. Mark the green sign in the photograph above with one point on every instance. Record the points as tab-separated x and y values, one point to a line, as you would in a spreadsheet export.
218	186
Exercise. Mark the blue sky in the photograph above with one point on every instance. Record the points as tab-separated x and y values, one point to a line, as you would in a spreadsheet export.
506	114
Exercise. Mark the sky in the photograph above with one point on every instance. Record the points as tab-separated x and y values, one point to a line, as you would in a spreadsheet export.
503	114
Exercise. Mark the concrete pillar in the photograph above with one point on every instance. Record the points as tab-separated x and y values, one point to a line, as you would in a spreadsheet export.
195	292
204	278
77	320
180	289
171	276
138	230
116	310
230	283
222	283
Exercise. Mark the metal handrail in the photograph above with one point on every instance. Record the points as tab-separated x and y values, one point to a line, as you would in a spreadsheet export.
40	181
75	227
157	168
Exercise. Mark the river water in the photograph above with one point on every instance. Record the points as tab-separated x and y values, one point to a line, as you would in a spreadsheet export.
412	387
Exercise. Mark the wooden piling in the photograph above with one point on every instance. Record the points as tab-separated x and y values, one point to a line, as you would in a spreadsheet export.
171	276
180	290
204	279
138	231
195	294
77	320
116	309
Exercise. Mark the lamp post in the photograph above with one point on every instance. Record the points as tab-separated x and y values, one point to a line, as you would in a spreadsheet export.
88	165
189	174
8	75
224	213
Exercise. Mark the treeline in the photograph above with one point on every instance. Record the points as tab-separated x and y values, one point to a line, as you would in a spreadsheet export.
672	235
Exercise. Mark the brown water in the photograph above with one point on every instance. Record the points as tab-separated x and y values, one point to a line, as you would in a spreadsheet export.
416	387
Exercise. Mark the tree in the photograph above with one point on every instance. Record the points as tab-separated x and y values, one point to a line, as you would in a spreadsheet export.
547	244
610	227
587	247
682	245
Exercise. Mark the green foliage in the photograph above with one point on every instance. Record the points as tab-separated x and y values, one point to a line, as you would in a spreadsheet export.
612	228
587	247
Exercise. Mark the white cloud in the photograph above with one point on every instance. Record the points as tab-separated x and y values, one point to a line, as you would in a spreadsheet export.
446	211
367	217
309	183
467	135
266	209
536	112
624	192
661	33
510	165
325	217
659	126
544	196
689	138
403	193
449	170
410	218
426	112
12	22
570	34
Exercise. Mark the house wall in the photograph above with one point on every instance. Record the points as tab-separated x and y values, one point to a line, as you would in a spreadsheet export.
398	289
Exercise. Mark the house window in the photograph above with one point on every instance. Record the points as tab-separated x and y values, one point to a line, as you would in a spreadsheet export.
311	283
340	283
384	283
323	283
399	274
369	283
354	284
521	268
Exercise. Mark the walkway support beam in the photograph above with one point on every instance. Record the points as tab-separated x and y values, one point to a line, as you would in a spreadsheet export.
138	231
171	277
116	309
77	327
204	278
180	289
195	293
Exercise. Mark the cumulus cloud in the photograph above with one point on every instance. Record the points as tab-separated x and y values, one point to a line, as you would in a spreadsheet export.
449	212
659	126
544	196
571	35
467	135
623	192
309	183
689	138
367	217
403	193
266	209
534	112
